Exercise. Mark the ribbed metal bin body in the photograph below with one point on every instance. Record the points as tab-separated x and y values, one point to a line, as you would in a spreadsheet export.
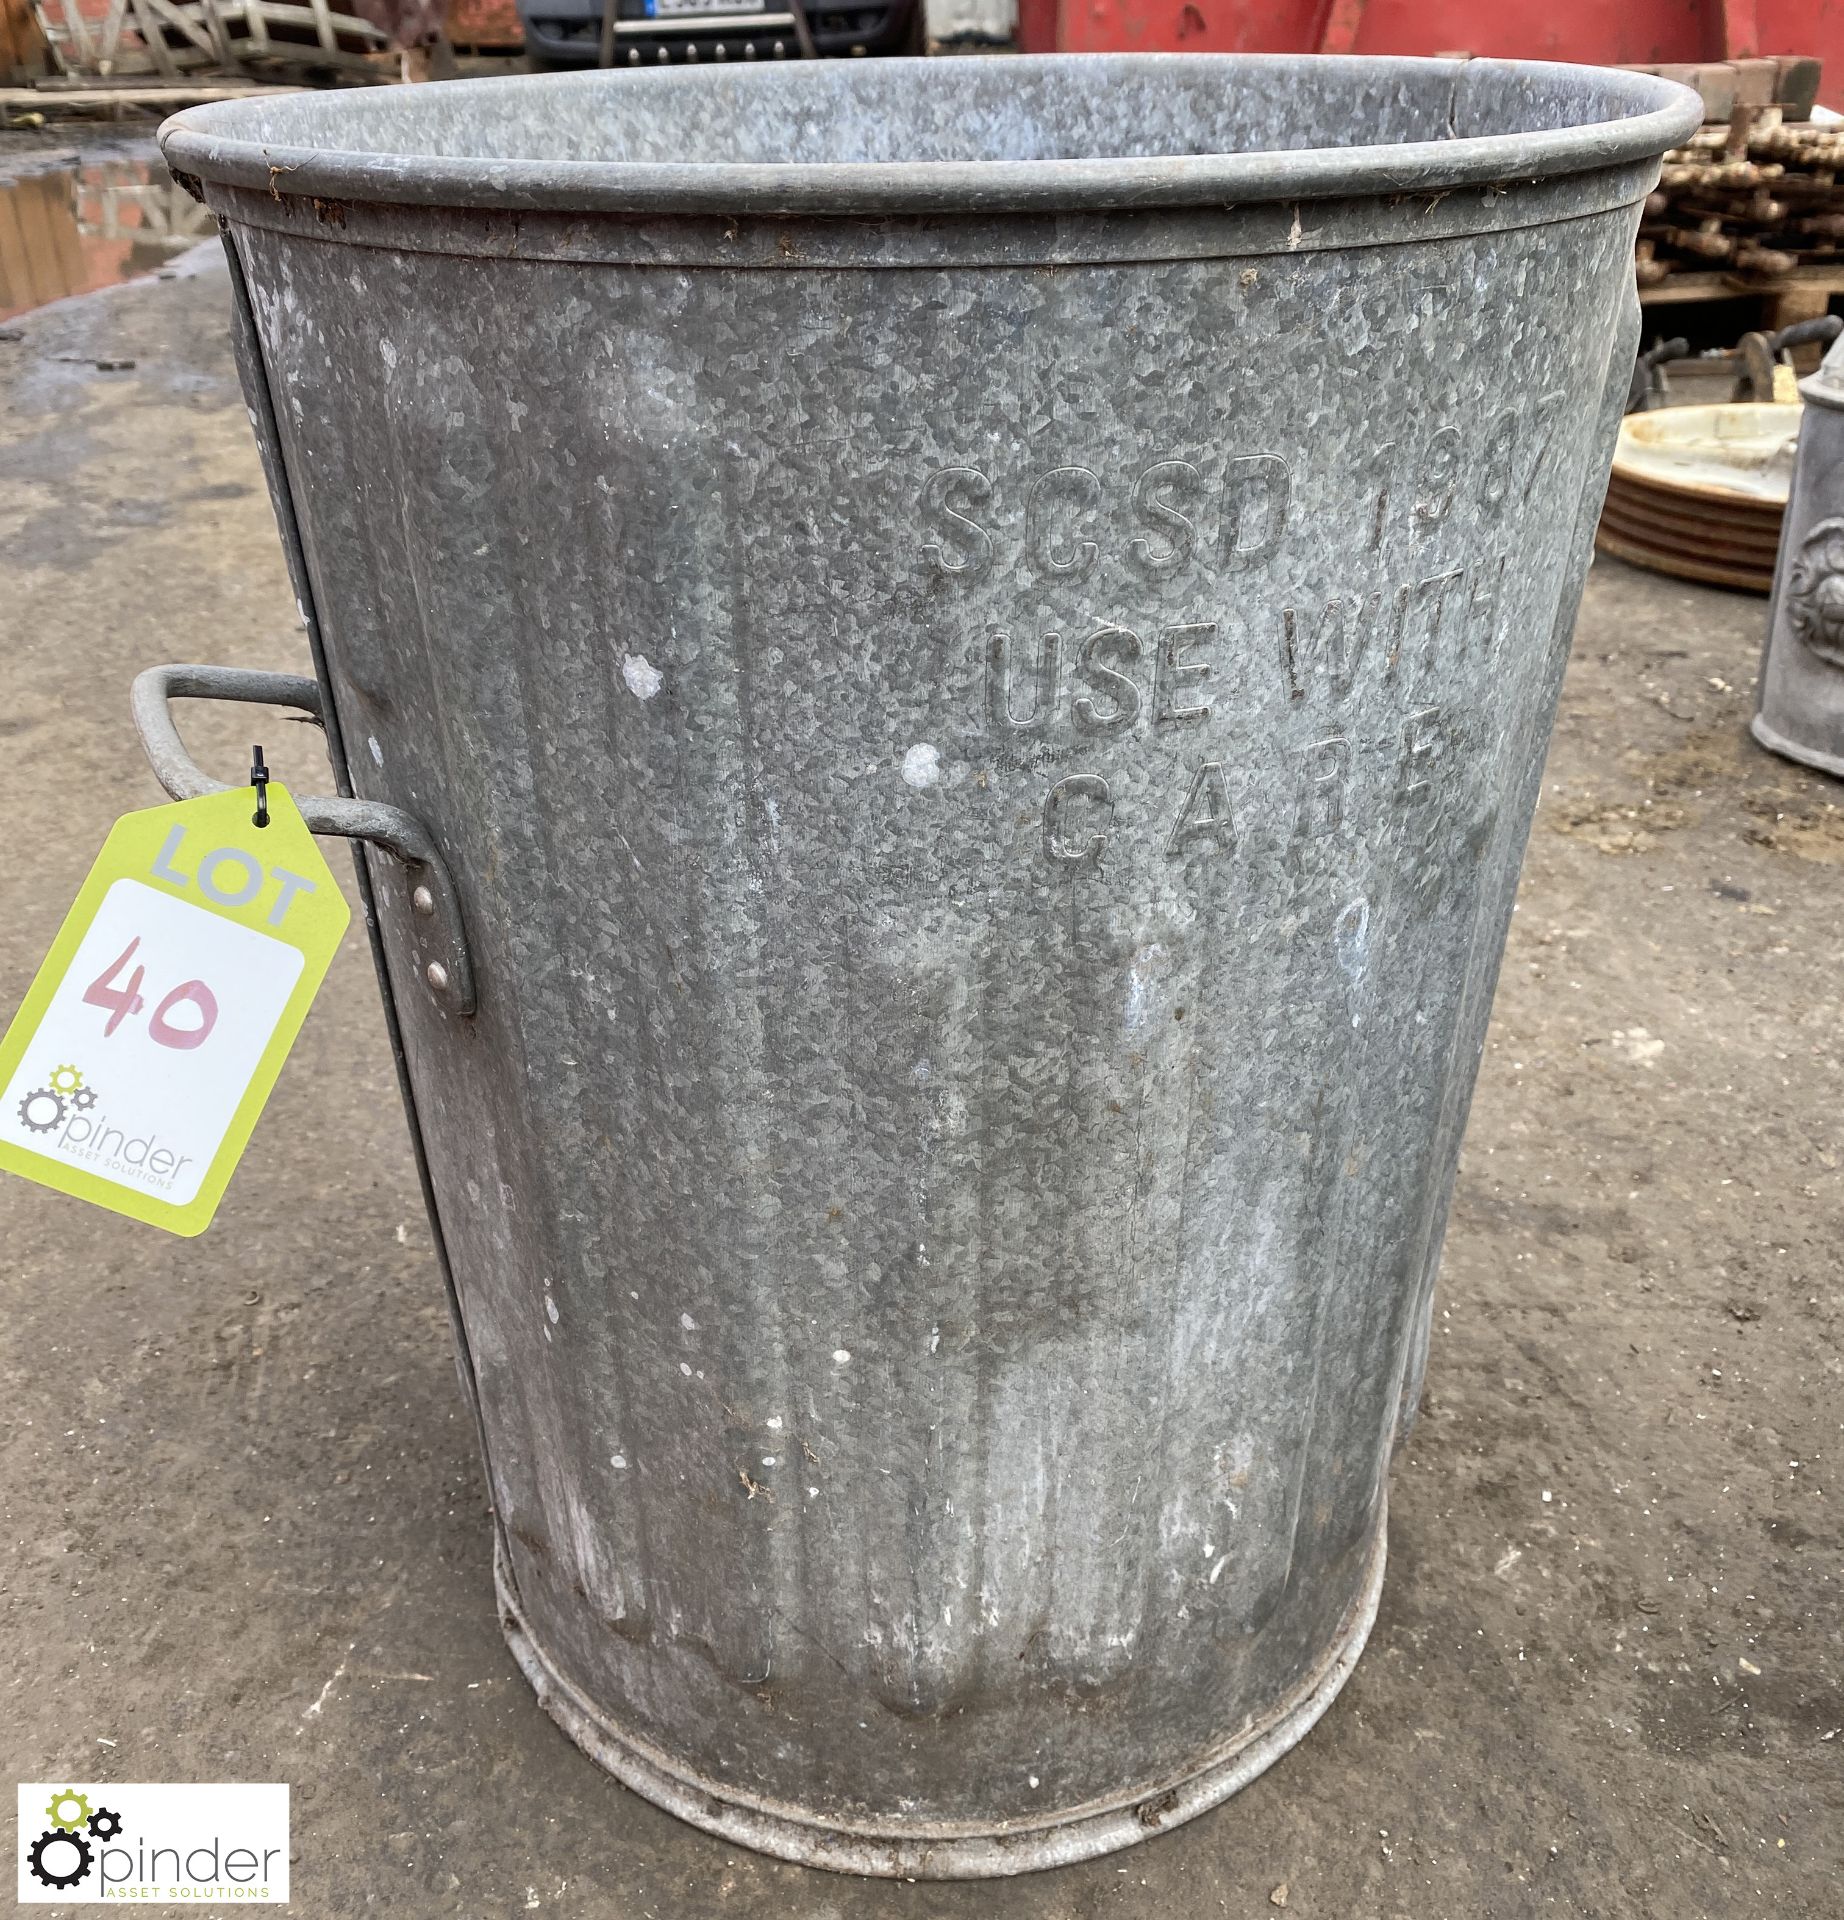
985	743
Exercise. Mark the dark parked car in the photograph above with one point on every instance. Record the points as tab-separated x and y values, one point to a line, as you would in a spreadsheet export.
568	33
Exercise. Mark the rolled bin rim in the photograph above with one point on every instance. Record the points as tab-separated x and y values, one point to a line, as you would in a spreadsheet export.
245	144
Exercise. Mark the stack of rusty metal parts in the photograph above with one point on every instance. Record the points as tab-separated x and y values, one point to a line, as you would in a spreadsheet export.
1754	197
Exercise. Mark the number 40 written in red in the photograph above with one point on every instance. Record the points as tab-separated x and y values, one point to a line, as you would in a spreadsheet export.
125	999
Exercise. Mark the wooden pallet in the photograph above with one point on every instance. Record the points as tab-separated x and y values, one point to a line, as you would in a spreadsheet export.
1803	294
28	106
168	39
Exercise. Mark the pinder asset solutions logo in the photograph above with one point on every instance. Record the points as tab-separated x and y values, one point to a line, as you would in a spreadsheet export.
156	1842
63	1110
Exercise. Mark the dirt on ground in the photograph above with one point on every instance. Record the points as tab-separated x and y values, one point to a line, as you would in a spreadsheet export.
246	1537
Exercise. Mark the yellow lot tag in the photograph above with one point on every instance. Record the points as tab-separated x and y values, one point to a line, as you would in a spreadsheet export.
140	1059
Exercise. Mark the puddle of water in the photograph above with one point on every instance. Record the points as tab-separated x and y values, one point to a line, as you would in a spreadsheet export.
73	229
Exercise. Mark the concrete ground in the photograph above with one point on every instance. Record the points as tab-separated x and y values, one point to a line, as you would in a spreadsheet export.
245	1537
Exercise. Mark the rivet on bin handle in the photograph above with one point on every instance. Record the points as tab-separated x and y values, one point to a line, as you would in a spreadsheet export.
440	940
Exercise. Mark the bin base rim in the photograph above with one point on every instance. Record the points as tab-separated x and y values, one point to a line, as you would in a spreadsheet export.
1776	742
1054	1840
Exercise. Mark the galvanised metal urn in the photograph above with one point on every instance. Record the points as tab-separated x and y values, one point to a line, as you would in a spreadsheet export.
1799	708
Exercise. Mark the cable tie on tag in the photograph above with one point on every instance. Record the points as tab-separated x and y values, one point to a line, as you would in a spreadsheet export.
259	779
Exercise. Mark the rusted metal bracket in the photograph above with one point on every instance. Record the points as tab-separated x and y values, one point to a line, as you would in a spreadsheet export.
438	935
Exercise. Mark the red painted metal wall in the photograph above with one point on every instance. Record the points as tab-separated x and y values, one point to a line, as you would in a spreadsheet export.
1640	32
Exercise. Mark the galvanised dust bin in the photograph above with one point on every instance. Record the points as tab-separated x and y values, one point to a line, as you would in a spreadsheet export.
954	657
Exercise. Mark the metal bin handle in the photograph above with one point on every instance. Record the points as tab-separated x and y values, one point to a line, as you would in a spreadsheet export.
447	971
